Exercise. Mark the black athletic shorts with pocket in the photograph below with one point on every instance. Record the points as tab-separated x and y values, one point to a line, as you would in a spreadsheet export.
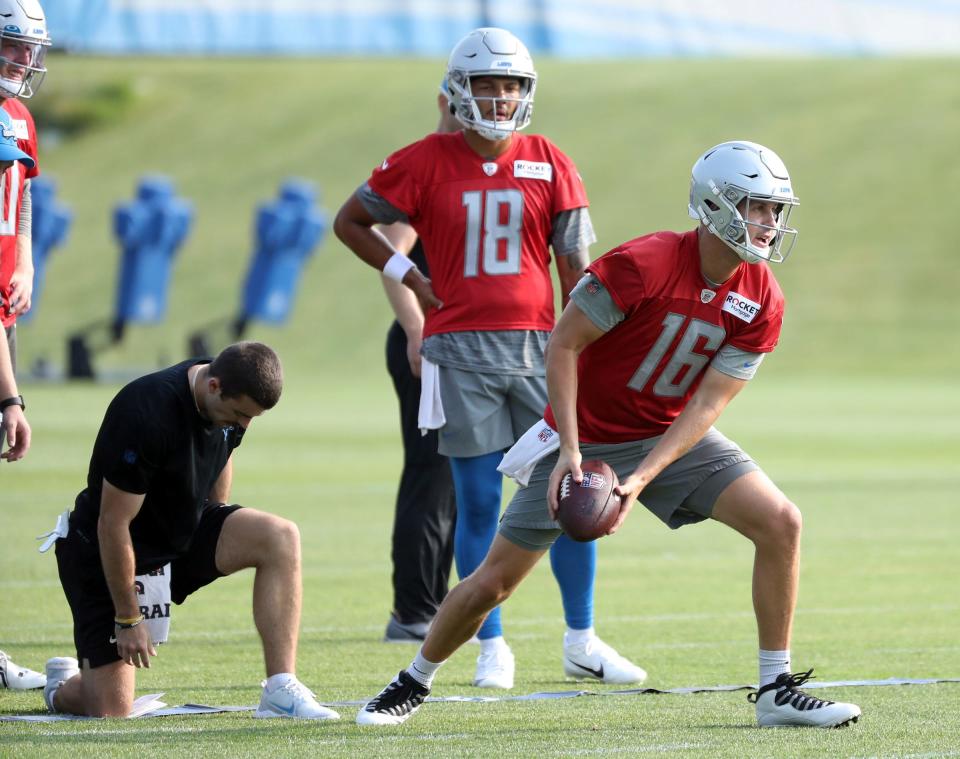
84	584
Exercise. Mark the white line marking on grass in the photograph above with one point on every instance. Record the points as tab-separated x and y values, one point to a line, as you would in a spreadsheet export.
633	749
932	755
138	729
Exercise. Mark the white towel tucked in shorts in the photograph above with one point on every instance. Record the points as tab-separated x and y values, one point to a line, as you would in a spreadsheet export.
431	416
518	463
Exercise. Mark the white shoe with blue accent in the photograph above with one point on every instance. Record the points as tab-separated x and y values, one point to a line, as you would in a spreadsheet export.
293	700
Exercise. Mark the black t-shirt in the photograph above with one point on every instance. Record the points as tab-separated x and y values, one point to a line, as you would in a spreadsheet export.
154	441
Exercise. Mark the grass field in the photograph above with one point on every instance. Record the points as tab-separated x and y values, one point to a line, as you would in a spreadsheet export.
855	416
874	471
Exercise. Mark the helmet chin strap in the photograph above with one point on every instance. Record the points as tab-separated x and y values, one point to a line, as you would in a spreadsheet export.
13	87
497	135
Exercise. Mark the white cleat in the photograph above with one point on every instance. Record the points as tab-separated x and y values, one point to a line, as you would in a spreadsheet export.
15	677
59	670
495	669
293	700
782	704
396	703
598	661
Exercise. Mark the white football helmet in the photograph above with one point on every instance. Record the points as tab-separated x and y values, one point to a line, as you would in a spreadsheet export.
23	47
735	173
490	52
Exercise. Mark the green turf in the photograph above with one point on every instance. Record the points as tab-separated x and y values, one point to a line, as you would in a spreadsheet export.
854	415
878	596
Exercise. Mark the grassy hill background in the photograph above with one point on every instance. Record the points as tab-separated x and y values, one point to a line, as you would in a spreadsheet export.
871	146
854	416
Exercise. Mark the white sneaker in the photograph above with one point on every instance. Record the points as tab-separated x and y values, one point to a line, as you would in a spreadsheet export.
15	677
292	699
782	704
495	668
59	670
598	661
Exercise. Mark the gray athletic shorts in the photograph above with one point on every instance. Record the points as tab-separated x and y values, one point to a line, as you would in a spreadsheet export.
683	493
487	412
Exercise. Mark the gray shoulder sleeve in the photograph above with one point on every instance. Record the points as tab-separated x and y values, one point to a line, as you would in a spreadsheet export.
25	224
572	231
737	363
379	208
594	300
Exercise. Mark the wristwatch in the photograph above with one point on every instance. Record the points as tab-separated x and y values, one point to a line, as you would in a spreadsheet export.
16	400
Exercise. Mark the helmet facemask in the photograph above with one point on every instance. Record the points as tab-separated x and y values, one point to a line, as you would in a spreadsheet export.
735	204
466	106
22	74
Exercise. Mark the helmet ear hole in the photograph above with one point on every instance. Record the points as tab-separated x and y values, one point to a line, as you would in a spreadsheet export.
711	205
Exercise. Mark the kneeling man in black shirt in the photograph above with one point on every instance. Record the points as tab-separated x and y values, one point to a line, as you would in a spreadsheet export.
157	490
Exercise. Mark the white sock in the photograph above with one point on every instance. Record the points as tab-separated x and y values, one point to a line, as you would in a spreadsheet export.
576	637
276	681
490	645
773	663
422	670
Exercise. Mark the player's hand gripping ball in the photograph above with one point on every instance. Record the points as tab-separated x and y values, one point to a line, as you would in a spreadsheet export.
588	509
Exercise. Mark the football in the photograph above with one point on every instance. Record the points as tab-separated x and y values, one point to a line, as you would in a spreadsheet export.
588	509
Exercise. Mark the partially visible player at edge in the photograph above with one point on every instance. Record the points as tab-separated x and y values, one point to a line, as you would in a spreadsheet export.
23	45
488	204
658	337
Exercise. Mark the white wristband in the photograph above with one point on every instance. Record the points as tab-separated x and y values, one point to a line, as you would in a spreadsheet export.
397	267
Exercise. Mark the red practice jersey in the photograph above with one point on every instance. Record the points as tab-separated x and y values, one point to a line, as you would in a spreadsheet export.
637	378
485	226
11	191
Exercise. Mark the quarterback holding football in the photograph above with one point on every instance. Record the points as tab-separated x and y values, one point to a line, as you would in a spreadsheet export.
658	337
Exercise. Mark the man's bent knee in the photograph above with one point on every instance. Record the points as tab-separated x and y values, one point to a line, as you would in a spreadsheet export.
249	538
783	525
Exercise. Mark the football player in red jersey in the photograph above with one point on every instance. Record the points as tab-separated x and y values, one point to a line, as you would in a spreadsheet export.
659	336
488	203
23	44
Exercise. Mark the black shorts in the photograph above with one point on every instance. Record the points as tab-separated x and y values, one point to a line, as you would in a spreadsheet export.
84	585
